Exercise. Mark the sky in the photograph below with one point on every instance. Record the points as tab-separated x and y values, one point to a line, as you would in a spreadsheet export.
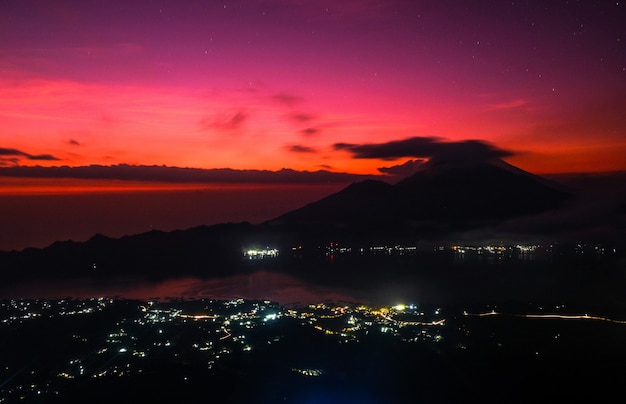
259	86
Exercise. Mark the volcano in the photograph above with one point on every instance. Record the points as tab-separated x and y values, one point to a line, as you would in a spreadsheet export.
444	195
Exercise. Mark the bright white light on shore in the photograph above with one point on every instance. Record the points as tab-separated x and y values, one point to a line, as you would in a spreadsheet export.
399	307
261	253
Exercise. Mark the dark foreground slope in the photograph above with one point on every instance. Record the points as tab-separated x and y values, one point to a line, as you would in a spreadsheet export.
204	251
137	351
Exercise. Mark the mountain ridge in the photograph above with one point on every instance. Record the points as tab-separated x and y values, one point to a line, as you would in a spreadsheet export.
457	195
433	203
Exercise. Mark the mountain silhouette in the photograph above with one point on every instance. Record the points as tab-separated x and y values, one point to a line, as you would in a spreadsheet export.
444	195
441	198
201	251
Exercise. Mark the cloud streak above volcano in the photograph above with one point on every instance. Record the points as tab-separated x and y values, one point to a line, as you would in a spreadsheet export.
426	147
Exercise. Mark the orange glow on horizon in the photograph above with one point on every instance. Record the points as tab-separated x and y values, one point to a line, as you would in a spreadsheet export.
68	186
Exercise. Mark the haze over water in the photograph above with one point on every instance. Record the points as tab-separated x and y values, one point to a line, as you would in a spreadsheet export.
259	285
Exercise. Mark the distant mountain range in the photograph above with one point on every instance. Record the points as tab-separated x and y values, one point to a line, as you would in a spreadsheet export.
441	198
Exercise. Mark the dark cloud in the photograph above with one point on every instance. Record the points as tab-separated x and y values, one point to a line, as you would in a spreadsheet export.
73	142
11	152
228	123
237	120
9	161
403	170
296	148
310	131
16	155
43	157
286	98
426	147
301	117
182	175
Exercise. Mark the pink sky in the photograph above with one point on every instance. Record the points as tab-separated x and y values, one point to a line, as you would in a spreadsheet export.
239	84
